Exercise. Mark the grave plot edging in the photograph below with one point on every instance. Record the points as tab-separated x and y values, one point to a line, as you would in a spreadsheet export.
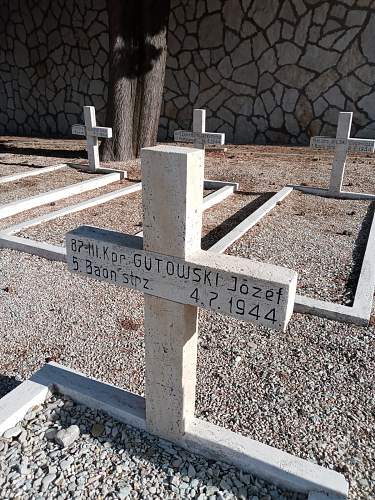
33	247
83	205
32	173
324	193
206	439
16	207
359	313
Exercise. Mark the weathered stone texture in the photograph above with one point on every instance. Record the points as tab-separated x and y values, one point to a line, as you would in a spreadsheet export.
264	70
289	68
56	56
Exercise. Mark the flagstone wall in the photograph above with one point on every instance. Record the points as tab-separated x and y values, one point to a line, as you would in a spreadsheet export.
267	71
271	71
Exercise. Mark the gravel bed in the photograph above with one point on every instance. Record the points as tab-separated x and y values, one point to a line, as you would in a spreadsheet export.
96	457
11	169
109	216
326	253
309	391
31	186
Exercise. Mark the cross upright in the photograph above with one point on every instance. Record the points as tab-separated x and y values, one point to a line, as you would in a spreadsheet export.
92	132
177	278
342	144
199	137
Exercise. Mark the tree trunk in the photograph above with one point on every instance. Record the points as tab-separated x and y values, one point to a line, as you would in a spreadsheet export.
138	51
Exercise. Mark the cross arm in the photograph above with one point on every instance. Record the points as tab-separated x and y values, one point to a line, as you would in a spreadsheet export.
78	129
255	292
359	145
104	132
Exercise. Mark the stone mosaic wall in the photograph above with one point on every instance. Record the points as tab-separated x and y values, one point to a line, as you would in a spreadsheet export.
265	70
271	71
53	60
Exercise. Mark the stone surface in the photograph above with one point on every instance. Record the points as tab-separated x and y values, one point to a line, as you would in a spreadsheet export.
66	437
308	46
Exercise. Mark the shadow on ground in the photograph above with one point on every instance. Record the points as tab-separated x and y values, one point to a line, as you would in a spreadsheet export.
39	151
7	384
225	227
359	252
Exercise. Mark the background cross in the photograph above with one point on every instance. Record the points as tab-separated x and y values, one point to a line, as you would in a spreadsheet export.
92	132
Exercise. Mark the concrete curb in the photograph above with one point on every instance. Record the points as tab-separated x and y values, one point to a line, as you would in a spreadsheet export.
250	221
92	202
203	438
33	247
18	206
36	171
325	193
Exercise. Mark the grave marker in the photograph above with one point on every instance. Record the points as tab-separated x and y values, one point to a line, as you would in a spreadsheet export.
199	136
342	144
177	277
92	132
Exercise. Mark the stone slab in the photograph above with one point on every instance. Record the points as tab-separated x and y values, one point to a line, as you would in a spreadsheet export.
273	465
83	205
329	310
18	206
366	282
357	145
201	137
33	247
201	437
251	291
214	184
217	196
15	404
37	171
325	193
360	313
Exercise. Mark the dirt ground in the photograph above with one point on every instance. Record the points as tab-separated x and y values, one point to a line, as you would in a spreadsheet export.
309	391
299	233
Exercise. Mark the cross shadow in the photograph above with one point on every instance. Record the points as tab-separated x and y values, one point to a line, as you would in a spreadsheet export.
359	252
7	384
226	226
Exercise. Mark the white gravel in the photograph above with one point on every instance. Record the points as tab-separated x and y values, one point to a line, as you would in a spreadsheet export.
62	450
309	391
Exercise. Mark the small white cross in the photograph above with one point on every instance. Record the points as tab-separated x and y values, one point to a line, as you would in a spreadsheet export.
342	144
92	132
199	136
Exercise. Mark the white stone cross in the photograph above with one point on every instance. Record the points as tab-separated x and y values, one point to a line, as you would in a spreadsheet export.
342	144
177	277
92	132
199	136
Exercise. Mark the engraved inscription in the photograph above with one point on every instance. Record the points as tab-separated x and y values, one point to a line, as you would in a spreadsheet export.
186	282
358	145
202	137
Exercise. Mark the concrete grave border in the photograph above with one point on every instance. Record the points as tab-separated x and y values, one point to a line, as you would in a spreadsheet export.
203	438
18	206
359	313
31	173
58	253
